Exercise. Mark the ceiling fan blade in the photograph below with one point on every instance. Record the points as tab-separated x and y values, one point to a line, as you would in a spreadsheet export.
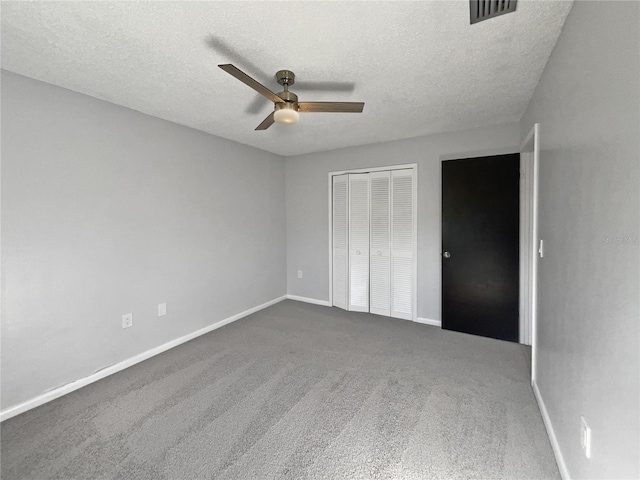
347	107
266	123
246	79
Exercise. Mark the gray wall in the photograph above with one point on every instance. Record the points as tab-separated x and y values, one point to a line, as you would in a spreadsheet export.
307	203
588	106
107	211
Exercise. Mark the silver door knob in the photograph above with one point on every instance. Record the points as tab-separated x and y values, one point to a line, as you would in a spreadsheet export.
446	255
379	252
357	252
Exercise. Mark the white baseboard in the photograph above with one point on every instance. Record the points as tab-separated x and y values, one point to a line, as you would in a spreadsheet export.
105	372
308	300
429	321
562	466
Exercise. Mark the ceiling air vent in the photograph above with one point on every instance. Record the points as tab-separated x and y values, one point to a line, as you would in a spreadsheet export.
486	9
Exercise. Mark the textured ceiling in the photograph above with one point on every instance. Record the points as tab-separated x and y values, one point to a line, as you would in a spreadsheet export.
419	66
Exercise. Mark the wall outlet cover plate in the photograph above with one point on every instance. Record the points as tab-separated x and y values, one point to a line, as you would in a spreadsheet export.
127	320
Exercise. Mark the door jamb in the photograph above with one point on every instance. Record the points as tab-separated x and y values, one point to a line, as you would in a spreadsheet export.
412	166
531	143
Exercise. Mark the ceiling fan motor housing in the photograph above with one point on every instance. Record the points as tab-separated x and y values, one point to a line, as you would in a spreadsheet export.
290	100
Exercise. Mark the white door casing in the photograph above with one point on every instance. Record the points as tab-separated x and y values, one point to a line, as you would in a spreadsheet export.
530	151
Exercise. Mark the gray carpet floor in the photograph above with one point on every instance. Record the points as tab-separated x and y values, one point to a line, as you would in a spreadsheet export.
297	391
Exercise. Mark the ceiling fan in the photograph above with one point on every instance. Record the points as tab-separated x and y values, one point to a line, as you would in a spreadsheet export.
286	105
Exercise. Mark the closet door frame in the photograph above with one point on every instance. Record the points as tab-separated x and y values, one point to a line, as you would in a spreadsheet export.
414	167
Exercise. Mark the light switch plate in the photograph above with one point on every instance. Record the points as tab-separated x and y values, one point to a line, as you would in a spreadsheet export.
162	309
585	437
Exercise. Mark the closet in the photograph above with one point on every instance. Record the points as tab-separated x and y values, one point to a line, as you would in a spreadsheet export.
373	242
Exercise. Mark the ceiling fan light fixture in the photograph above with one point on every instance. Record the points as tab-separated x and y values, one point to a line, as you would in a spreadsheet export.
286	114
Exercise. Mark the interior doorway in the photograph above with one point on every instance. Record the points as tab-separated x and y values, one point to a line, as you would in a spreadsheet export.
481	246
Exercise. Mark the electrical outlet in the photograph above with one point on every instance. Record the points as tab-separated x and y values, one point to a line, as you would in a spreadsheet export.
299	273
127	320
585	437
162	309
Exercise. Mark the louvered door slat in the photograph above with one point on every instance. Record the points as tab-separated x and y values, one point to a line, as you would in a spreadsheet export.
359	242
379	260
340	240
402	244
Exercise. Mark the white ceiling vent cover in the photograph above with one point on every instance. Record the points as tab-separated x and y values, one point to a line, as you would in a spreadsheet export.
486	9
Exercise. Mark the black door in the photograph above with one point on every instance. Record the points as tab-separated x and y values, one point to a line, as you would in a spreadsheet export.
480	245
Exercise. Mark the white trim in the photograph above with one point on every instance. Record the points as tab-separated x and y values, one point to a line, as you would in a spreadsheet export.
528	138
376	169
533	137
415	242
330	222
315	301
562	466
534	266
105	372
429	321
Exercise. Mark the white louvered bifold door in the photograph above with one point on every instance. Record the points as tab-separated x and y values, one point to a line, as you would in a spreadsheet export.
340	240
359	242
402	244
380	241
